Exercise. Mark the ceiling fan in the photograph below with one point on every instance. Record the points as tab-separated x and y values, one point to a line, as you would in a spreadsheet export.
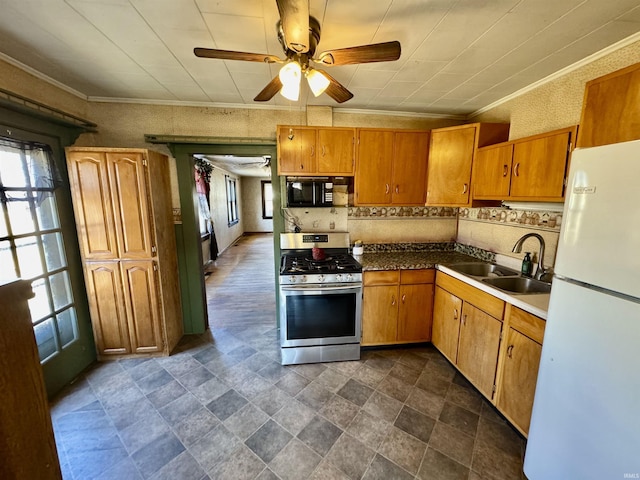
299	35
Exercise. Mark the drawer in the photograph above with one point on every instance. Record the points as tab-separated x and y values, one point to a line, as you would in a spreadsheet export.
426	275
382	277
527	324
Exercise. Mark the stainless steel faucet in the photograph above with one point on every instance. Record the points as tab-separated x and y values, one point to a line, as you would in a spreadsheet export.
517	248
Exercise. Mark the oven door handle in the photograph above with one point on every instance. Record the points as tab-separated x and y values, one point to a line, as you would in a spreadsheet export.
324	288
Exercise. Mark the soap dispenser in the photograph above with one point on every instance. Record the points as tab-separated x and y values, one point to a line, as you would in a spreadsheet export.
527	266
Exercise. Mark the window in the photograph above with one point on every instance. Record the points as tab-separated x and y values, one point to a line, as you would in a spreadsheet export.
31	243
267	199
232	200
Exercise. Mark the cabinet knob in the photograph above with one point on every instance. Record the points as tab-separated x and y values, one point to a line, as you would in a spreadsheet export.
516	169
505	170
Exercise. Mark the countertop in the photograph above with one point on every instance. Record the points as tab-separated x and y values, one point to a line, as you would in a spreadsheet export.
536	304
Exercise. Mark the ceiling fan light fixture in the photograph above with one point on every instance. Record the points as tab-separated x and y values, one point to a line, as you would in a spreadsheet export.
290	77
318	82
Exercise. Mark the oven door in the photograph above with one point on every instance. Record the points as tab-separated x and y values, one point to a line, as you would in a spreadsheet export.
320	314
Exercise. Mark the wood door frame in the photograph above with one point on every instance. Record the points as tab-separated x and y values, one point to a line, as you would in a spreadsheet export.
190	263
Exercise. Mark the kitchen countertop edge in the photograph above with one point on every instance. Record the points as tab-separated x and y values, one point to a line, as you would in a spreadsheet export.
536	304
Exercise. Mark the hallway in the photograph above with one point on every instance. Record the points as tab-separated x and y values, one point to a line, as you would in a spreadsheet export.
240	284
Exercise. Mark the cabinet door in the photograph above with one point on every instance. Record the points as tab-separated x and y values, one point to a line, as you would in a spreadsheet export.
478	348
336	151
296	151
446	323
539	167
91	192
374	167
409	180
519	376
106	303
449	168
415	313
492	172
141	300
379	315
130	199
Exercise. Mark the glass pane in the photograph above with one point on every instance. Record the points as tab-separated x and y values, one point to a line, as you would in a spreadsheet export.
20	217
12	169
47	213
67	327
7	267
45	339
29	257
60	290
39	305
3	223
53	251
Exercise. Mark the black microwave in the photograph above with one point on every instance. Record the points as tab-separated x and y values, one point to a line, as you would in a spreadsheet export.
309	192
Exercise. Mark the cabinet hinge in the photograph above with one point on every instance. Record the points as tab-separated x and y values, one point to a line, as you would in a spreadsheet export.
154	249
155	267
144	161
570	146
493	390
500	335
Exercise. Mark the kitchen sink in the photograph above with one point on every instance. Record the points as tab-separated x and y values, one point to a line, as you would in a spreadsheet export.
518	284
483	269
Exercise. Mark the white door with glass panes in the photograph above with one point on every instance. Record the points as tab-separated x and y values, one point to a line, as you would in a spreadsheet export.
38	243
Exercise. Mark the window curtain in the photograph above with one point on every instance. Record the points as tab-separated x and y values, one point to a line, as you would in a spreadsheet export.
27	166
203	171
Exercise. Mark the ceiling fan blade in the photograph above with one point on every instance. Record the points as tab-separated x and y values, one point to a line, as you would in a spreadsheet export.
375	52
232	55
270	90
335	89
294	15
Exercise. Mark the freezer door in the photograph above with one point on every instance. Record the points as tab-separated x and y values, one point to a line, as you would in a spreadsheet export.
586	420
600	235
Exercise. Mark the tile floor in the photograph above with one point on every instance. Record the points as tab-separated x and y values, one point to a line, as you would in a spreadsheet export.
222	407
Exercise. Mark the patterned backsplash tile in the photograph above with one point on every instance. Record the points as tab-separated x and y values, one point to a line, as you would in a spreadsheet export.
476	252
526	218
371	213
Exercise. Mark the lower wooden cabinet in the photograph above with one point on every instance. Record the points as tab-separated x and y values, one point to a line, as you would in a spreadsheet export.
467	324
518	367
397	306
495	345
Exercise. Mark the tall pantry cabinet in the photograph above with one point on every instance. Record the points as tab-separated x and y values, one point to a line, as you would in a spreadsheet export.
123	210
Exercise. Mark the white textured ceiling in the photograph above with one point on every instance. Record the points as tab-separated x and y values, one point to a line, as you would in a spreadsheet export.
458	56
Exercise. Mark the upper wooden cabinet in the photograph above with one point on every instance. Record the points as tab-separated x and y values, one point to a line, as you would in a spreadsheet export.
123	209
391	167
611	109
527	169
451	158
316	151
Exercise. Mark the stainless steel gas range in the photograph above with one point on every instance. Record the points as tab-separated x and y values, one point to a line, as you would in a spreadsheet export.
320	298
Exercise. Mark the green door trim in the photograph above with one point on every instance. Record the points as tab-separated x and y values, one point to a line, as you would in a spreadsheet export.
190	262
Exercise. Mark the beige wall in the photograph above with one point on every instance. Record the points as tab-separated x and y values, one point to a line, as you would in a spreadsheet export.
252	206
225	235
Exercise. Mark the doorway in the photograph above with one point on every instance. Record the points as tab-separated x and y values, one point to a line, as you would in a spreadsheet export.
188	234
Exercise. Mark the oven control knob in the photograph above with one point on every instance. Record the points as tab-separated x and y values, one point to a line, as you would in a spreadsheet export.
349	277
292	279
338	277
321	278
303	279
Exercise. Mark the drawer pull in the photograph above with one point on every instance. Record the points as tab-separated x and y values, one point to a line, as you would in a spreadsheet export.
393	300
464	188
505	170
386	188
403	297
455	314
516	169
510	351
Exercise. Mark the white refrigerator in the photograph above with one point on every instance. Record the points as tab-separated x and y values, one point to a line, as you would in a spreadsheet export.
586	413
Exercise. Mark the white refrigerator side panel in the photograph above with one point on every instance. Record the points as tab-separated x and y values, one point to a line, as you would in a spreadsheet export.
600	235
586	413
